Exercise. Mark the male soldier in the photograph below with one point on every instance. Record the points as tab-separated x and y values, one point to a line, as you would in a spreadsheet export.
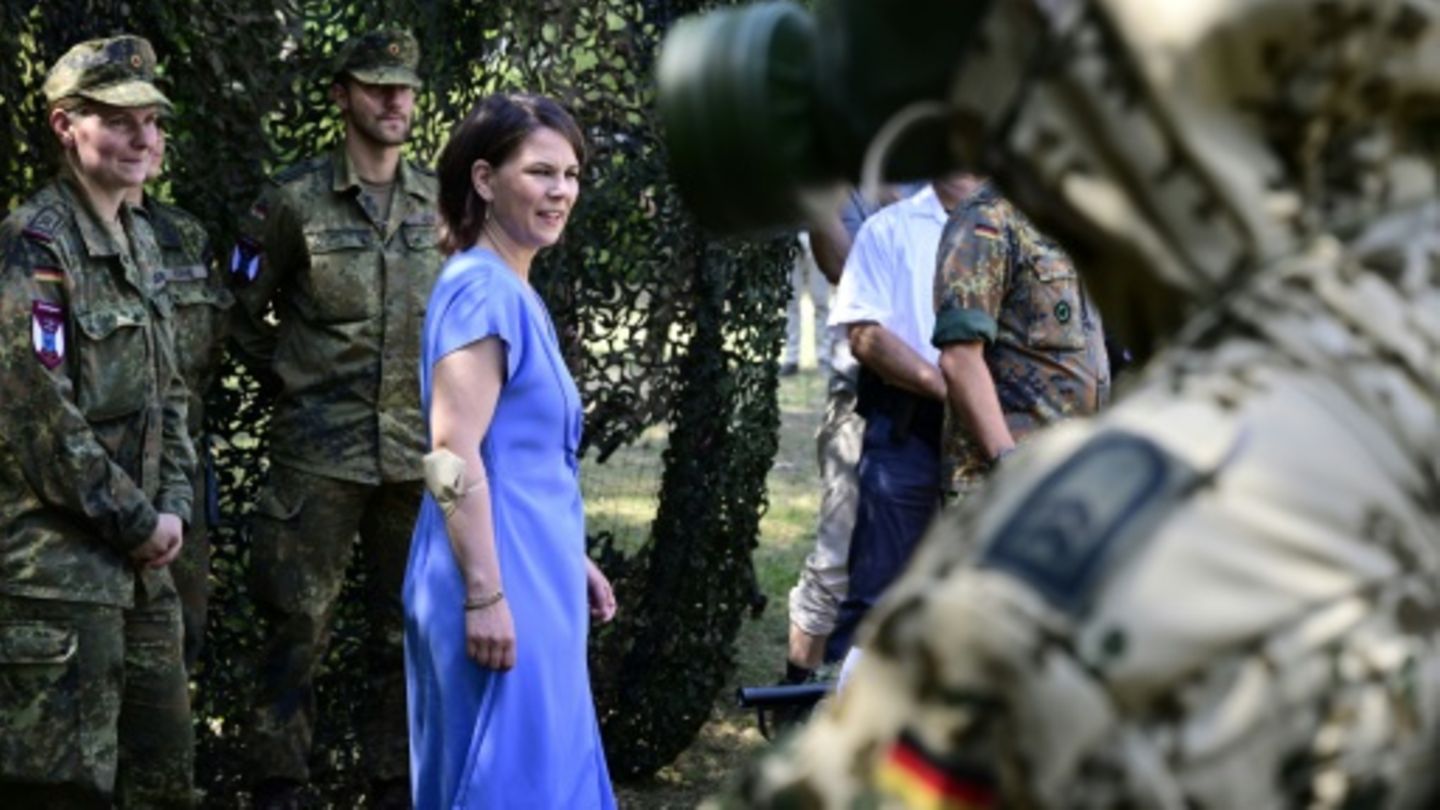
196	287
94	463
1225	590
344	247
1020	343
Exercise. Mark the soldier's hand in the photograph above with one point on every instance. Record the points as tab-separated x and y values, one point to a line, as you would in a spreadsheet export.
490	636
163	545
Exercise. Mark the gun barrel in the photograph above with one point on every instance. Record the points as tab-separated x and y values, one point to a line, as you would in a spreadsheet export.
762	697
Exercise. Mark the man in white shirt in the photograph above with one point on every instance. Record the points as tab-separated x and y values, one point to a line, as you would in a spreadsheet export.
885	305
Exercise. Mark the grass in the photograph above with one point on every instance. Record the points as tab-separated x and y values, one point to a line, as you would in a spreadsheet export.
787	531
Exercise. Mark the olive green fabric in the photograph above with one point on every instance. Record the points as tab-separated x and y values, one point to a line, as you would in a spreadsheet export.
198	291
349	293
94	705
304	548
87	359
119	71
382	57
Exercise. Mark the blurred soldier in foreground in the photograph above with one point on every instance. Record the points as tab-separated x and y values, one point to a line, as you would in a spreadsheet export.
95	463
1225	591
197	290
344	247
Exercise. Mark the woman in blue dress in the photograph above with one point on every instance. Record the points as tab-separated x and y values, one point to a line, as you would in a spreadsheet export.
499	592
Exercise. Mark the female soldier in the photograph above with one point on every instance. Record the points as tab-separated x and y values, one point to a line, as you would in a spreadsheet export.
95	463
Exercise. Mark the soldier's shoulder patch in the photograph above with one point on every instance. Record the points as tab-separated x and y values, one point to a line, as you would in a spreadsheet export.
44	224
1081	518
47	333
245	260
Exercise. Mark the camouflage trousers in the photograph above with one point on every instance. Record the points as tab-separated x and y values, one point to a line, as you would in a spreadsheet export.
815	599
94	708
304	543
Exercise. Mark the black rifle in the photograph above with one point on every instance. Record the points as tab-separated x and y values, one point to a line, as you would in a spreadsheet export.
790	703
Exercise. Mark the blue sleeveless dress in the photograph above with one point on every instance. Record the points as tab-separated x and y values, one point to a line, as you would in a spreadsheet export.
527	738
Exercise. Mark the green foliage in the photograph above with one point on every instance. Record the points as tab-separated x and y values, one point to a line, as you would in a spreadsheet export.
661	323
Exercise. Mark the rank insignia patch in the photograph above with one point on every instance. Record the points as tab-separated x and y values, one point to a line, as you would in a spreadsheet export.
44	225
245	260
1087	515
47	333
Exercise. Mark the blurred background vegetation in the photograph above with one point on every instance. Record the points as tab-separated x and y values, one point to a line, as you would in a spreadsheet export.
671	332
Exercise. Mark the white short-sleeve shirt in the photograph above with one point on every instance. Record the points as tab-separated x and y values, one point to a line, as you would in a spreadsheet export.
889	275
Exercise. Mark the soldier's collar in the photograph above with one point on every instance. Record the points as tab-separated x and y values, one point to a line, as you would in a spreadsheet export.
93	232
406	176
410	183
343	178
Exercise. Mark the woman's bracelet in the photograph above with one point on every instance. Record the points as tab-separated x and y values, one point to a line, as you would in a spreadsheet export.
482	602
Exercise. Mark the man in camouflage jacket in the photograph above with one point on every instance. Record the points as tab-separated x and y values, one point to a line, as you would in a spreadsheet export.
95	463
1021	345
343	247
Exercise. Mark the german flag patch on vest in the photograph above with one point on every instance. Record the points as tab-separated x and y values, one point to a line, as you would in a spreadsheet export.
922	781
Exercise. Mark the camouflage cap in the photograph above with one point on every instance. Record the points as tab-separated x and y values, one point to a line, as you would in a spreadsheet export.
382	57
119	71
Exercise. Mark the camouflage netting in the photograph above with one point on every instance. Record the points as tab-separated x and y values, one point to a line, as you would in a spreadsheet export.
664	325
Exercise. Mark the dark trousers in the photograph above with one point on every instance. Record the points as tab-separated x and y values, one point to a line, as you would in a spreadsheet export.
304	542
899	494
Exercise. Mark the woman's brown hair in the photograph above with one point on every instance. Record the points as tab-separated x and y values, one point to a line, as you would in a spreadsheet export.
491	132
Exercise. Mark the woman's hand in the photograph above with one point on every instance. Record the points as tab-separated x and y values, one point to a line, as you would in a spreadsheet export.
601	595
163	545
490	636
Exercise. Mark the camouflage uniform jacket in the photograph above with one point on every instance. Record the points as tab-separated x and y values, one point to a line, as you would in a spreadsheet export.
1002	281
94	442
349	294
198	291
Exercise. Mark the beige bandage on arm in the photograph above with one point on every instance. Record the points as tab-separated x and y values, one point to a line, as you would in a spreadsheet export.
445	478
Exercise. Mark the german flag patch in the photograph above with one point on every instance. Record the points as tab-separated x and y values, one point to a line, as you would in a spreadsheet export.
922	781
987	231
48	275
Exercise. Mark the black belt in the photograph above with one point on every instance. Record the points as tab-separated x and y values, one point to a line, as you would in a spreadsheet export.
910	414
